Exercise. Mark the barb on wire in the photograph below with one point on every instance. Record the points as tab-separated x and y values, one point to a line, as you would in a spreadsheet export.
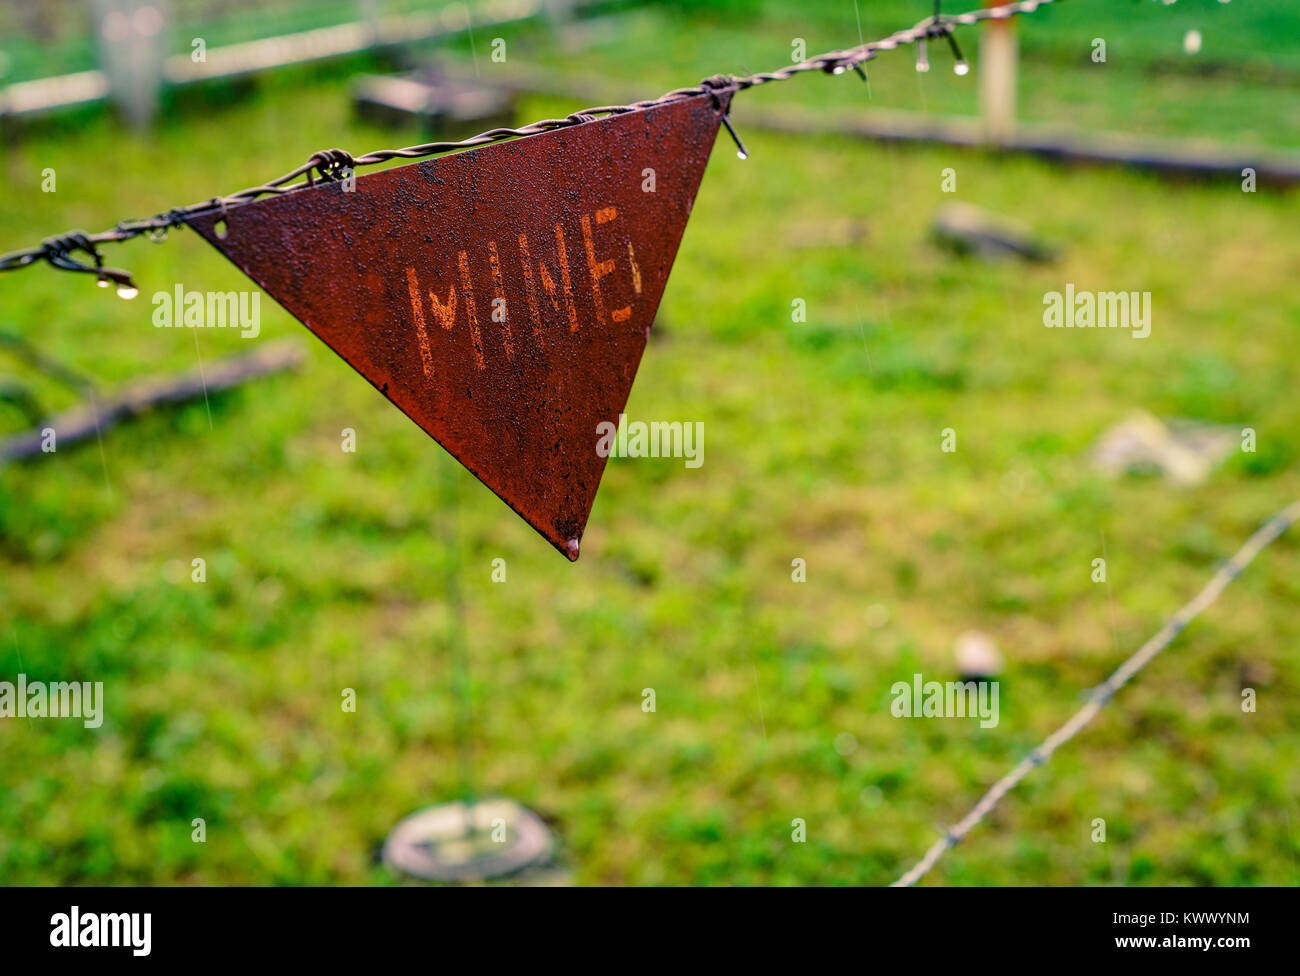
1103	693
335	164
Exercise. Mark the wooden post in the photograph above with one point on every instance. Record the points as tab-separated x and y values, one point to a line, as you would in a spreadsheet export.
131	35
997	67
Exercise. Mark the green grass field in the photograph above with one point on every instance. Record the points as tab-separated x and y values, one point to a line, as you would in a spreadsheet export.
326	570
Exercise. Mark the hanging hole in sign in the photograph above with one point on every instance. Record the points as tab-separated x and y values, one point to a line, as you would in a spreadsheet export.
221	228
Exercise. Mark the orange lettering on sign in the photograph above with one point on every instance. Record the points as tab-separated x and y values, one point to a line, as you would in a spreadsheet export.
470	313
564	279
530	288
598	269
499	300
636	272
549	284
445	312
417	309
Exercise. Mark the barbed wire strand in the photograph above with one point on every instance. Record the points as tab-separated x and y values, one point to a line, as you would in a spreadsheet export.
1103	693
336	164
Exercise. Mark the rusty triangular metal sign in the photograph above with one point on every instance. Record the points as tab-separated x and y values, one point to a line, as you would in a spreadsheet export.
500	297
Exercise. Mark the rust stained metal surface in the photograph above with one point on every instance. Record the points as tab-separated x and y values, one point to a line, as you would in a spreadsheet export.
500	297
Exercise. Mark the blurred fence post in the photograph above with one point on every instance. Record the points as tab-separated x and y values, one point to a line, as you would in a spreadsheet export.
131	35
997	66
559	12
368	14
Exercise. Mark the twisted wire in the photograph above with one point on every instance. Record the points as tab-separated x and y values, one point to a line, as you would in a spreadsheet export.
336	164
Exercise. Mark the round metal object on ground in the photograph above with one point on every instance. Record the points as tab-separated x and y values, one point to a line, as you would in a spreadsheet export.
461	842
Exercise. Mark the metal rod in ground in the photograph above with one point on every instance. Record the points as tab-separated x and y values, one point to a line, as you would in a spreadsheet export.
449	479
457	841
1103	693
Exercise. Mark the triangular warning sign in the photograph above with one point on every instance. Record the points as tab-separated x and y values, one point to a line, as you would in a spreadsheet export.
500	297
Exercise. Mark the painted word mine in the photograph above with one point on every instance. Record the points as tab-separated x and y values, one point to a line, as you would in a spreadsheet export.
574	266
